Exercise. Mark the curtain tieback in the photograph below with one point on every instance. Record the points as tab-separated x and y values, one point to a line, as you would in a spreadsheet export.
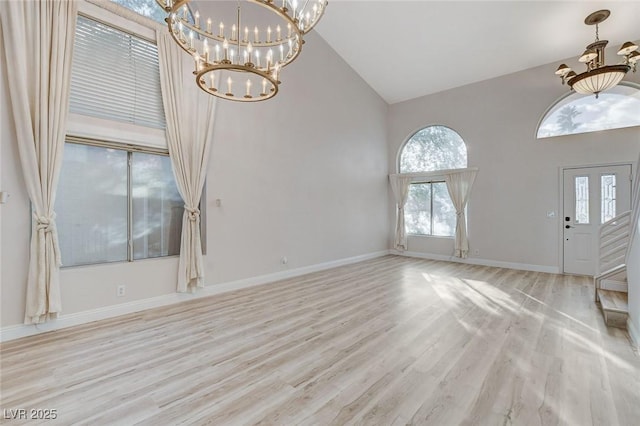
459	214
47	225
194	214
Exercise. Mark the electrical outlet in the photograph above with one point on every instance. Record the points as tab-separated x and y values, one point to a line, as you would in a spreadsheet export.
476	252
284	260
120	291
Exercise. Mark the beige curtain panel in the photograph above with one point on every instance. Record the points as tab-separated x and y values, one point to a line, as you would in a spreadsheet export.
459	183
39	90
190	116
400	187
459	186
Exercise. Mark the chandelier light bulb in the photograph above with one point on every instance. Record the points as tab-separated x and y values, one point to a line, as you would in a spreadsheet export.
588	55
563	69
627	48
248	95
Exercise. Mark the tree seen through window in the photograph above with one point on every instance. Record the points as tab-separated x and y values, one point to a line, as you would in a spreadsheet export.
429	210
148	8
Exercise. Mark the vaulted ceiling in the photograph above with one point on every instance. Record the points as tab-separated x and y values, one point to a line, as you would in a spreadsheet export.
408	49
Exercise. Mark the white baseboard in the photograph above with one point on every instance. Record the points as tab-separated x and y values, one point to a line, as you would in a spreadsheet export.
634	333
614	285
20	330
482	262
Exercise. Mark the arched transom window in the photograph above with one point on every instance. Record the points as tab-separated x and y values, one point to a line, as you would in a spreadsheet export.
429	210
616	108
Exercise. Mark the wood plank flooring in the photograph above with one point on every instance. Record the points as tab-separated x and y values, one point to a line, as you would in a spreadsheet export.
390	341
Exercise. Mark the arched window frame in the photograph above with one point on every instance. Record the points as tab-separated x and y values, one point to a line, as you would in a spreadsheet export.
412	134
433	180
574	94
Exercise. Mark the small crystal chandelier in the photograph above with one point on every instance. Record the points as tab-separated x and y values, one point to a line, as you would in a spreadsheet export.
599	77
237	60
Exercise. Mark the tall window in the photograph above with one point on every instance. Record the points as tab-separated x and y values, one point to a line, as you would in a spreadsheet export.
616	108
429	210
117	200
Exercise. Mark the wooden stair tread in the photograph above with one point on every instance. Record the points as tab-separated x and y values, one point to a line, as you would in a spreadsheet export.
614	301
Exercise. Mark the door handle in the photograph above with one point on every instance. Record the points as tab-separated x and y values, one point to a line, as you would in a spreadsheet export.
569	226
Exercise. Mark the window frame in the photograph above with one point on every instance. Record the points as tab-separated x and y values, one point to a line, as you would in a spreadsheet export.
435	176
94	128
431	215
547	111
130	150
104	133
415	132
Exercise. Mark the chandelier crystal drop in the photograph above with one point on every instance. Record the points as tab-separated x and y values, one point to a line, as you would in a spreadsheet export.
238	60
599	77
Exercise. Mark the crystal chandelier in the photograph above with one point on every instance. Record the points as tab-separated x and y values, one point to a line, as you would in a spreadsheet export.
599	77
238	60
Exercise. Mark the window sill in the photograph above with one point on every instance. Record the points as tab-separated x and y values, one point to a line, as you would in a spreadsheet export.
118	262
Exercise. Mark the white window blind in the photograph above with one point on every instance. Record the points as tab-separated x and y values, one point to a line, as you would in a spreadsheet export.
115	76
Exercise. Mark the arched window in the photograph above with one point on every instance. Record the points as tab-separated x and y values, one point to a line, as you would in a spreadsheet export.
429	210
616	108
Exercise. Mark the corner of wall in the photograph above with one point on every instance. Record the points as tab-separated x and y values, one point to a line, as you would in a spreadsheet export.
634	334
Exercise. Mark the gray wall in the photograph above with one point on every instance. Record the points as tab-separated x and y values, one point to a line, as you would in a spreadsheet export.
302	176
518	181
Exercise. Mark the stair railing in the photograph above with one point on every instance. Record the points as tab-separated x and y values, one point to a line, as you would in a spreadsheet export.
635	209
613	240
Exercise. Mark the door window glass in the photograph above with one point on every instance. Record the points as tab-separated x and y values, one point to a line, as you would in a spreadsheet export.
582	199
607	197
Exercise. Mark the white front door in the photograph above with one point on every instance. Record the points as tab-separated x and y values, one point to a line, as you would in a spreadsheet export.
592	196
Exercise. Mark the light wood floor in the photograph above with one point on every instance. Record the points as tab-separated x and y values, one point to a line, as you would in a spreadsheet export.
389	341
